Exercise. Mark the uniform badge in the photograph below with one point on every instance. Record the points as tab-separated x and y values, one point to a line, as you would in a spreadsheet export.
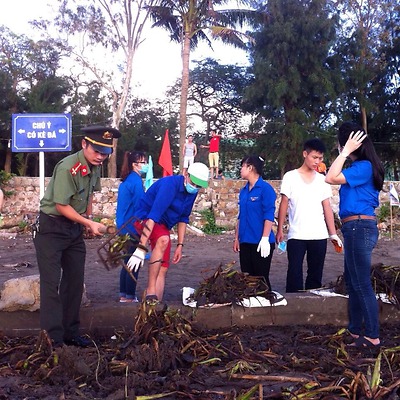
107	135
74	170
84	170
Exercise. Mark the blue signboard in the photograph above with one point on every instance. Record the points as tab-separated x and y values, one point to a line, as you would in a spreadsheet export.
41	132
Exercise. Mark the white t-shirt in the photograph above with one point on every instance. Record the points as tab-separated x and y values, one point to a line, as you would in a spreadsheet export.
306	214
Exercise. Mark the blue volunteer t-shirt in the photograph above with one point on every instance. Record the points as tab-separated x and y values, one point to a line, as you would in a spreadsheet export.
358	195
256	206
130	191
167	202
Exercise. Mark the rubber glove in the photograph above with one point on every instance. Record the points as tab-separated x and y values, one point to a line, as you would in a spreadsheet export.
264	247
136	260
336	238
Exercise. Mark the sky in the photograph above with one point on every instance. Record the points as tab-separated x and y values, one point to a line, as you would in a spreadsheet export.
157	63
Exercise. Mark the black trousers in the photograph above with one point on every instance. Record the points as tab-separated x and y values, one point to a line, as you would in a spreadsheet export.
252	262
296	251
60	253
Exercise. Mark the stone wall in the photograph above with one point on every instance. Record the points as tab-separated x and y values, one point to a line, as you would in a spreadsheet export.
221	196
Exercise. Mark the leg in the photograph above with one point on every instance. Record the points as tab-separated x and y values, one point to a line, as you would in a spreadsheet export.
156	259
211	162
316	251
129	284
262	265
360	238
216	163
49	263
296	250
160	283
122	283
72	281
245	258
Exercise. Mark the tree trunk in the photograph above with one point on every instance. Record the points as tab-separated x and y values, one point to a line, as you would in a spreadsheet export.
364	118
7	162
184	96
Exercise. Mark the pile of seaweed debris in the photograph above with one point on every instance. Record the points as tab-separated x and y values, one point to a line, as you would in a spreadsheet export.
227	285
385	280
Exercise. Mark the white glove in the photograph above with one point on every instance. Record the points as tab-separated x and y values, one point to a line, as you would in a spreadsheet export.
264	246
136	260
336	238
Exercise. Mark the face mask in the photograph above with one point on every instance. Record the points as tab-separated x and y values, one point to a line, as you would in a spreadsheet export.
144	168
191	189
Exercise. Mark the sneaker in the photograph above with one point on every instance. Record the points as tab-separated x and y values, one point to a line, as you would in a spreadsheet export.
79	341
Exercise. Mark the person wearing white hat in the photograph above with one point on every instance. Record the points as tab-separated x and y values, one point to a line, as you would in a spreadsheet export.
168	202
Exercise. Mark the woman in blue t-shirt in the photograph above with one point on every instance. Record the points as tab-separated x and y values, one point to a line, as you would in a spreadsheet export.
254	238
359	196
130	191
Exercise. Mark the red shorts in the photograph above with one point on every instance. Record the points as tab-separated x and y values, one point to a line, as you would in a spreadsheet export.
158	231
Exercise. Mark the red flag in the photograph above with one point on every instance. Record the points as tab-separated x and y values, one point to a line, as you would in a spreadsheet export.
165	159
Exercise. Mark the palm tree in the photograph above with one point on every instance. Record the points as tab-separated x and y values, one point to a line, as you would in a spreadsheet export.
192	21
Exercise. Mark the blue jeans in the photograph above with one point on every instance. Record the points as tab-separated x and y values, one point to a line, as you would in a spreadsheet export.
296	251
127	286
360	237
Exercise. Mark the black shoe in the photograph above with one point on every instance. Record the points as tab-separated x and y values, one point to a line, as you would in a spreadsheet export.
78	341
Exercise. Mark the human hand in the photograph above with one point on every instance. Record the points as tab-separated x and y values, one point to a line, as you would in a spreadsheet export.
177	255
264	247
353	142
337	243
96	228
236	246
136	260
279	237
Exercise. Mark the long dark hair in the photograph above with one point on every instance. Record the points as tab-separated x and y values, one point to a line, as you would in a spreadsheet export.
365	152
130	157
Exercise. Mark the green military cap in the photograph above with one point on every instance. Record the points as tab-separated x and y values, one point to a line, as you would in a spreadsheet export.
101	137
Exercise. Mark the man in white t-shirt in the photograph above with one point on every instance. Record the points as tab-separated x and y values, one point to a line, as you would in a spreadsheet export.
306	196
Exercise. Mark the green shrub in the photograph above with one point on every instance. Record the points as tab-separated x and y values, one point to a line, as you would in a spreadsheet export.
4	178
210	227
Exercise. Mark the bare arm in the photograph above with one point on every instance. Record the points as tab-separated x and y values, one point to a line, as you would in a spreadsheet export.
267	228
335	175
147	229
181	237
283	208
236	245
329	219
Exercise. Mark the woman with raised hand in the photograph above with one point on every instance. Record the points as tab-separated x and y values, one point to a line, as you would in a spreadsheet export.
360	184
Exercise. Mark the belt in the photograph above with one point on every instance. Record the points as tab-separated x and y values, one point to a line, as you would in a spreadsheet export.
60	218
358	217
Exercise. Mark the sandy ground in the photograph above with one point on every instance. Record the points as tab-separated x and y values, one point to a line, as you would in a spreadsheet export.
201	257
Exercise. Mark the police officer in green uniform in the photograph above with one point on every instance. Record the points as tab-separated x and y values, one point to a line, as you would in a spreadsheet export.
65	210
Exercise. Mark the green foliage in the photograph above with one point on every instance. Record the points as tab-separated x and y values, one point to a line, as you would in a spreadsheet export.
384	212
210	227
4	178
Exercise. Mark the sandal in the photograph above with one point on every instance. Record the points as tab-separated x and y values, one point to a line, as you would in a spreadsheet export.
361	341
